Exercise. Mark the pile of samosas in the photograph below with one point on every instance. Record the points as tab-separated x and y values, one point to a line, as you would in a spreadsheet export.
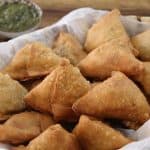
68	97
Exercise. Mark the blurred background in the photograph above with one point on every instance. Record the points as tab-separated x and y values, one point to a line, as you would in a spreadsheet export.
55	9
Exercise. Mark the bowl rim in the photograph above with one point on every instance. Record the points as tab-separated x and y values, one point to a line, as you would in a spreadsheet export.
15	34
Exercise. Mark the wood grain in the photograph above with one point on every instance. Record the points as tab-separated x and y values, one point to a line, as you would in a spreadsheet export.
50	17
134	7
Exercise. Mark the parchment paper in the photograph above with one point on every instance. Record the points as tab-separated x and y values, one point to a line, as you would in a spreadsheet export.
78	22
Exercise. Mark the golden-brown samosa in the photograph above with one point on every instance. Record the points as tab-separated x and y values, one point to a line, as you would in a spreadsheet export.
33	60
66	45
142	43
95	135
23	127
108	28
11	96
144	78
111	56
117	97
54	138
58	91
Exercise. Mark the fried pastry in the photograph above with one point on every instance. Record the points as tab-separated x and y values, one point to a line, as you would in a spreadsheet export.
58	91
23	127
142	43
95	135
11	96
144	78
117	97
66	45
33	60
108	28
54	138
111	56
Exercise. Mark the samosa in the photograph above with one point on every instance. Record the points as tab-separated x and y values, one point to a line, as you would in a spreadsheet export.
111	56
117	97
54	138
11	96
66	45
58	91
96	135
142	43
33	60
23	127
109	27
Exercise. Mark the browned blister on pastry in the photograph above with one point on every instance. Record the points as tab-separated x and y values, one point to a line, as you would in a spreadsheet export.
11	96
33	60
58	92
66	45
95	135
111	56
23	127
108	28
117	97
144	78
142	43
54	138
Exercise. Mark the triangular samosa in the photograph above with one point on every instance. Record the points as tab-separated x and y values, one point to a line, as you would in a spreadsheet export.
142	43
58	91
108	28
66	45
95	135
54	138
111	56
11	96
117	97
33	60
23	127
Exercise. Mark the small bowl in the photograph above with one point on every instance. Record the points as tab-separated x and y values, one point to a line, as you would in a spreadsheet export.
4	34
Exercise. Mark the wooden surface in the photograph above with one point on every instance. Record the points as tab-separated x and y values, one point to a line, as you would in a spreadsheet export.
50	17
134	7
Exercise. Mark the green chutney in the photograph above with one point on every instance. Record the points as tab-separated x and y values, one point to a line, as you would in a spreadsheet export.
17	17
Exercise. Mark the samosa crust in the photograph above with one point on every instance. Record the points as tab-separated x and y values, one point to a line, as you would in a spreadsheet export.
108	28
117	97
142	43
95	135
23	127
11	96
58	91
66	45
144	78
111	56
33	60
54	138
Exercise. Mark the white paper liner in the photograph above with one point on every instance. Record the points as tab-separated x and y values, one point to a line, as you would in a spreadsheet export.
78	22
